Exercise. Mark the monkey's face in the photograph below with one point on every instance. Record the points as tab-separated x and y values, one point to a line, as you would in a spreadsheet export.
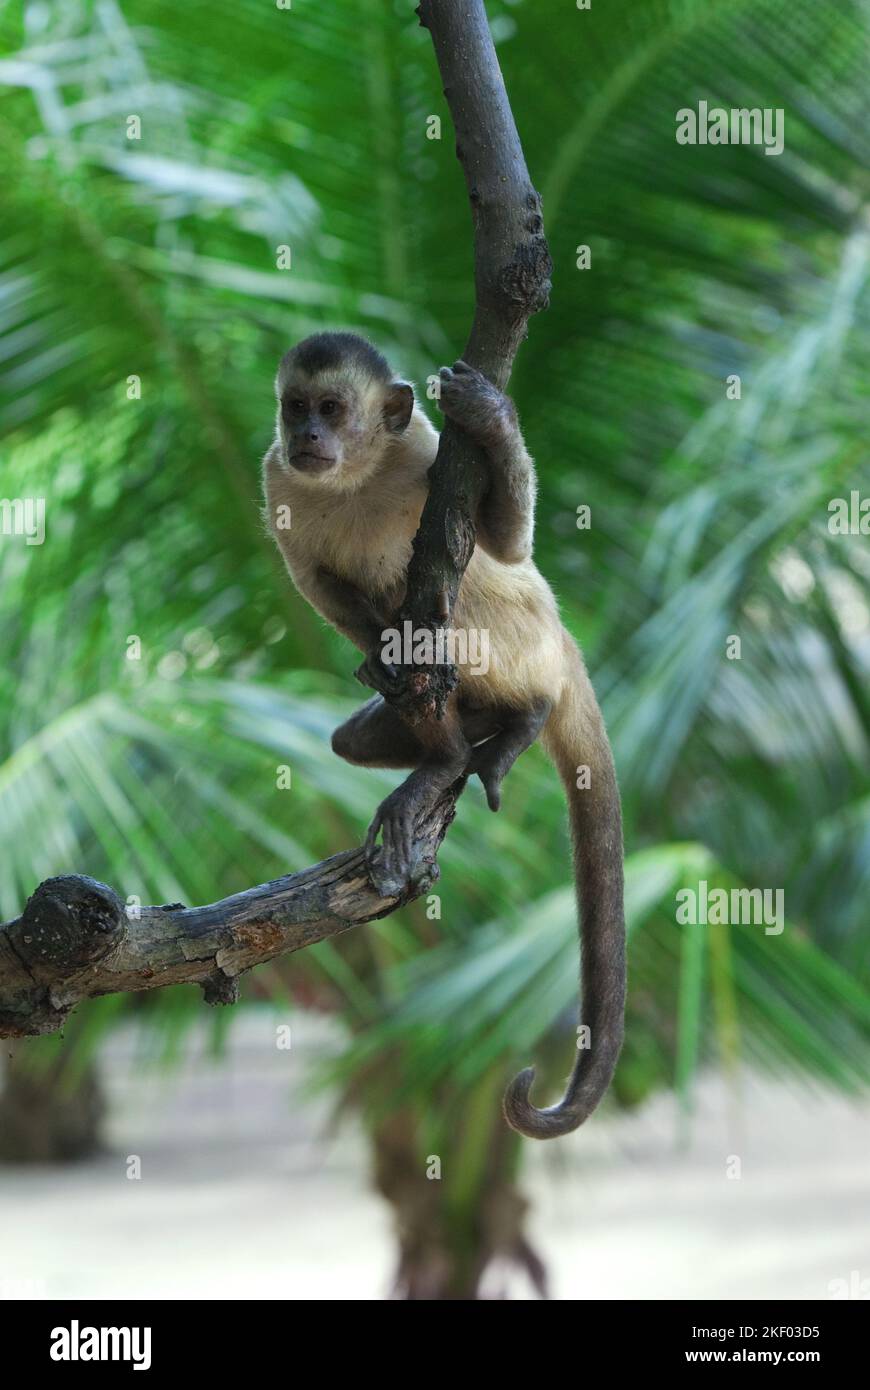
316	423
336	425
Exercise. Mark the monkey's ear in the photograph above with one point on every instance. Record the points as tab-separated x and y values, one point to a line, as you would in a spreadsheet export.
398	405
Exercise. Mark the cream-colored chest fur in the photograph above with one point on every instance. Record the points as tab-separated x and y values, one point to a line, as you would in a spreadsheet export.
365	537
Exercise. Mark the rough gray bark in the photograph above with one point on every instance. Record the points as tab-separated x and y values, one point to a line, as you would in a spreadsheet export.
74	938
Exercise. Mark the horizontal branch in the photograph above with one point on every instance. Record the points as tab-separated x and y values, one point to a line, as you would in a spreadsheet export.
76	939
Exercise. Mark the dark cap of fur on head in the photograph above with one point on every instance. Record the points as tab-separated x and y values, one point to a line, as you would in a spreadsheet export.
324	351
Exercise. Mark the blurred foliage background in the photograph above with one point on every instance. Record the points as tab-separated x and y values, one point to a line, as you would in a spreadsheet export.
156	258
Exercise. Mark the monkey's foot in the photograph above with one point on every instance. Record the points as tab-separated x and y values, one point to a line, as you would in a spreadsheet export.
491	766
473	403
399	863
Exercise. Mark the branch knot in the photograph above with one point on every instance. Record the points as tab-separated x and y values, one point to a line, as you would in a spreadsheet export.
71	921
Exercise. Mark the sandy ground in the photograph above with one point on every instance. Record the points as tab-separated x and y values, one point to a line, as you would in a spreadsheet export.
244	1194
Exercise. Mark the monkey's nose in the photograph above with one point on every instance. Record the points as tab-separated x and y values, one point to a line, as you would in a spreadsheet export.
314	437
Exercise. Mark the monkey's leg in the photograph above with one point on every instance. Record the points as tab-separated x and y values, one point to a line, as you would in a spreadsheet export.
493	760
375	736
445	755
506	515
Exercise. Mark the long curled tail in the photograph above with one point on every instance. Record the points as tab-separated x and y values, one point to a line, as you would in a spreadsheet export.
574	737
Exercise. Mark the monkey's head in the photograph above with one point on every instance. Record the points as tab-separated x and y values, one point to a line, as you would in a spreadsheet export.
339	410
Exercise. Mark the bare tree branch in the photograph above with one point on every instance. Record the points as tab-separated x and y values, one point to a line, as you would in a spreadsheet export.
512	281
75	938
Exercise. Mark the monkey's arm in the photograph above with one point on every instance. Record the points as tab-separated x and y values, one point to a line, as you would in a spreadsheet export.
355	616
344	606
506	515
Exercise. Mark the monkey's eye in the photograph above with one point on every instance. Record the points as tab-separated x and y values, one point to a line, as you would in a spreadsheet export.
328	407
296	406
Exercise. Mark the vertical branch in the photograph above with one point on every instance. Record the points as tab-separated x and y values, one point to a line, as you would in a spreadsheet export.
512	281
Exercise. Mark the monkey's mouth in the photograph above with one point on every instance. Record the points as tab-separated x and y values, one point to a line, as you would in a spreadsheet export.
311	463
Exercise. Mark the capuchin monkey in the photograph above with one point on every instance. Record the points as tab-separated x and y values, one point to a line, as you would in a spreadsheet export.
350	458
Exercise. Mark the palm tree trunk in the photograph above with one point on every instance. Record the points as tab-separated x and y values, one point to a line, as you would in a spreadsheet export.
455	1231
50	1109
